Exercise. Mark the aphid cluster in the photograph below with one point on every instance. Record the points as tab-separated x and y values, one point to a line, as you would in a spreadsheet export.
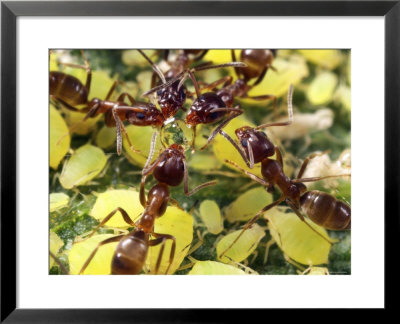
176	87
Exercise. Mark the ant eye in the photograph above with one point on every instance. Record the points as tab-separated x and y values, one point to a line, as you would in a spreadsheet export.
140	116
214	115
244	143
159	92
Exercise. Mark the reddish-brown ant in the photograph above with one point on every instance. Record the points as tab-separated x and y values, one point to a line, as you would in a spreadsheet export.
169	168
322	208
131	252
258	62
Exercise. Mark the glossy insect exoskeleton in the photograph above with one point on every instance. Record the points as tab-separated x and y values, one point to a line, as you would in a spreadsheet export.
131	252
322	208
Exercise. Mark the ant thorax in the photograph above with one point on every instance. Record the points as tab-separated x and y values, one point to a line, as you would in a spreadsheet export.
201	111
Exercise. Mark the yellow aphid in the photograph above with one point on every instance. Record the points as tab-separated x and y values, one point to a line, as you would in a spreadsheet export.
316	271
214	268
106	137
58	200
220	56
178	223
343	95
134	58
107	201
296	239
247	205
210	214
76	123
140	138
84	165
349	70
53	65
325	58
277	82
304	124
321	88
100	264
58	130
224	150
204	162
245	246
55	244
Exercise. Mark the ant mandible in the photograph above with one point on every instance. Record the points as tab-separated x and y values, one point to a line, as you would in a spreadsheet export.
322	208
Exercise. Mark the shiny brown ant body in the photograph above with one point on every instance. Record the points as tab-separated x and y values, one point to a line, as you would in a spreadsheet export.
322	208
257	64
131	252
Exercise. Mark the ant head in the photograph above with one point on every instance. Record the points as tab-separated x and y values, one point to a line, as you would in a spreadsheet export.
171	99
244	132
145	115
204	109
177	148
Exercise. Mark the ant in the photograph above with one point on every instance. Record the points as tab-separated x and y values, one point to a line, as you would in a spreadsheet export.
322	208
169	168
131	252
70	91
258	62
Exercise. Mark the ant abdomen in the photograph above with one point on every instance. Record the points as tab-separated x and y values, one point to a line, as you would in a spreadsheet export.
130	254
325	210
256	60
67	88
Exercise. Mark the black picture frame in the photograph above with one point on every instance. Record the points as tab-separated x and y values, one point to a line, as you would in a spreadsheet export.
11	10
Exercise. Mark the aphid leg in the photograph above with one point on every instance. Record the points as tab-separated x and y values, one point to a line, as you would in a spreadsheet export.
294	263
290	112
251	222
161	239
307	160
238	148
186	182
59	263
155	67
235	113
267	247
298	213
106	241
249	174
124	214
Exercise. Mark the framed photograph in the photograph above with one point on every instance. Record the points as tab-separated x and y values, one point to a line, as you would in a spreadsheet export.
256	105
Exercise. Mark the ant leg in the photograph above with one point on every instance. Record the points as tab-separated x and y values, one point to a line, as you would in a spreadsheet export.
194	140
290	112
106	241
264	97
198	58
59	263
307	160
249	174
279	156
161	239
298	213
235	113
252	221
145	167
120	126
261	77
212	86
239	149
174	203
124	214
186	182
126	94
